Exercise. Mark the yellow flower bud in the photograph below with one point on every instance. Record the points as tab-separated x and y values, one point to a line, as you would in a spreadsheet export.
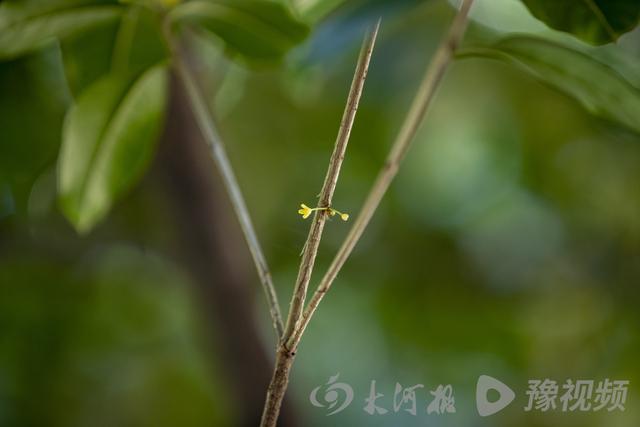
305	211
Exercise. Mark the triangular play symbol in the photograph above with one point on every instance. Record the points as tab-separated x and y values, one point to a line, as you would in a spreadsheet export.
486	383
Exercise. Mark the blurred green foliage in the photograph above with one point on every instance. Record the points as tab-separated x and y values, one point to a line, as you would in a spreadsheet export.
109	138
255	30
110	339
573	72
28	24
595	21
509	244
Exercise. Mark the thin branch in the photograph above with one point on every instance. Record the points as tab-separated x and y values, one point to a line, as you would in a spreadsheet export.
310	250
285	357
419	106
219	156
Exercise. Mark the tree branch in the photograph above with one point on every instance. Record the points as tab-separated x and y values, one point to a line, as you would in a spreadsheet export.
310	250
424	96
285	357
219	156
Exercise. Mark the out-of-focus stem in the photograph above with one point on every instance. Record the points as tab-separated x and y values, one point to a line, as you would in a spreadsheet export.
219	156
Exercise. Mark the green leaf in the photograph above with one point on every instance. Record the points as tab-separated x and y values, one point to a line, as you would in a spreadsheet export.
26	26
594	21
256	30
108	141
315	10
600	89
140	42
33	101
88	56
130	45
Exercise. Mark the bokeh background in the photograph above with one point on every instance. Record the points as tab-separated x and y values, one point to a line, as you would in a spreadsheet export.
509	244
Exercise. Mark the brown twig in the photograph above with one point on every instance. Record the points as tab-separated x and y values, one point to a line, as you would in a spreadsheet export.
285	356
422	100
310	250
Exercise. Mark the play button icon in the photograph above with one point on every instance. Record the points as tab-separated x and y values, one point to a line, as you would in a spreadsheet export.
485	384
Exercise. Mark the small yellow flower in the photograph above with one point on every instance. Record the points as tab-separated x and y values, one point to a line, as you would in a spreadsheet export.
343	216
305	211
